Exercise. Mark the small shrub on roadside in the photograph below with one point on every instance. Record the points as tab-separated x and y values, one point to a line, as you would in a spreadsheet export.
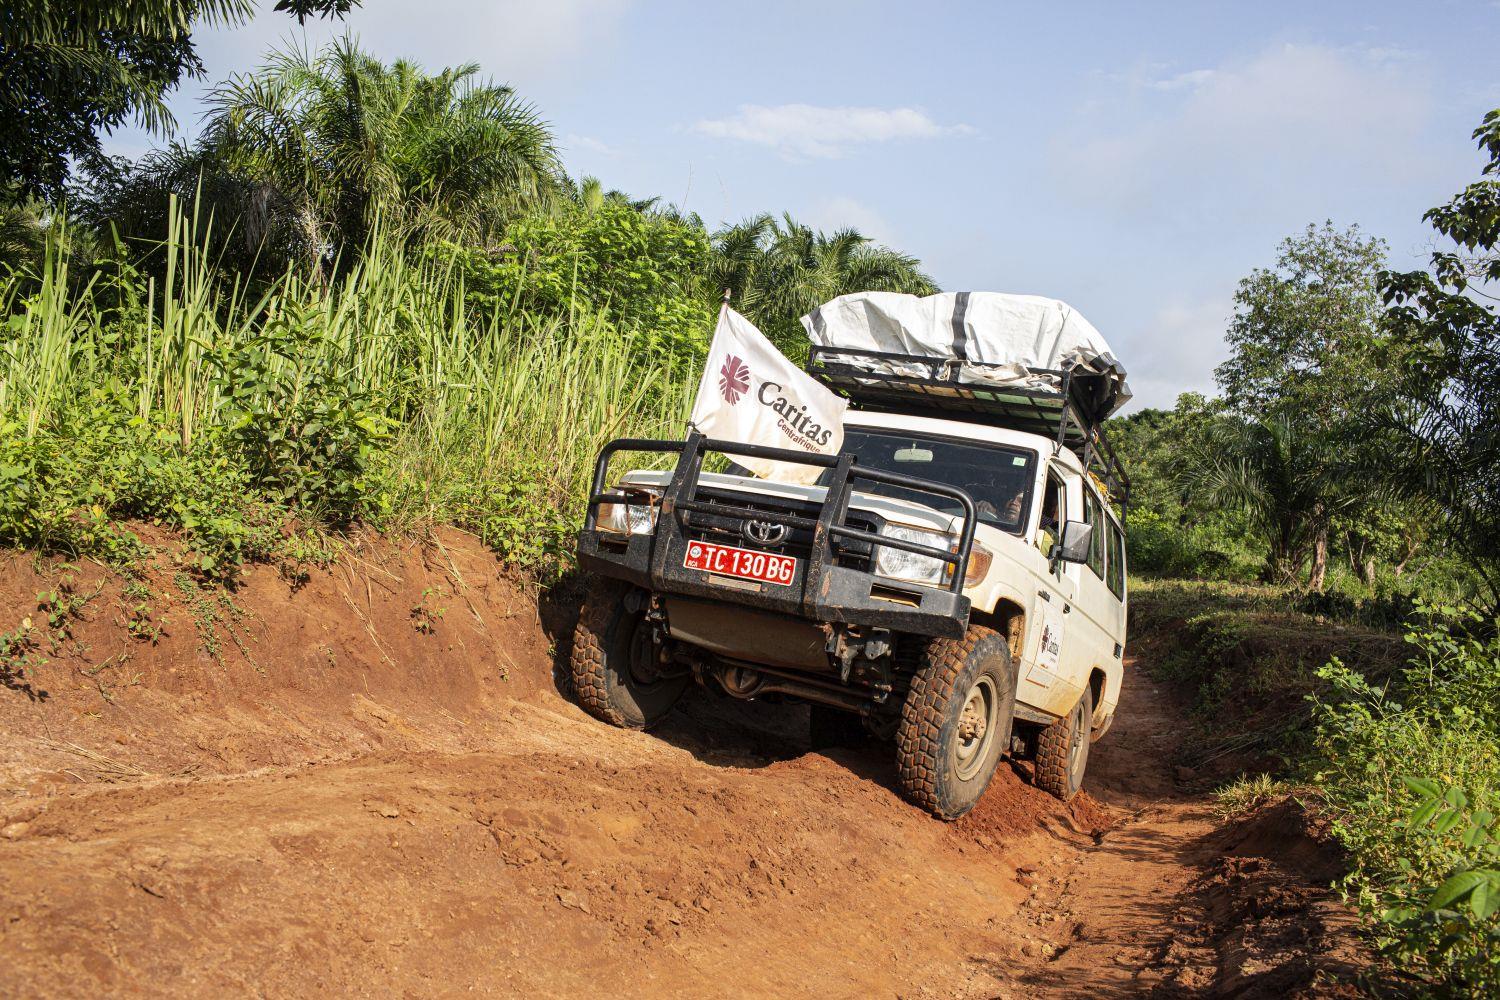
98	465
1245	794
305	426
1452	929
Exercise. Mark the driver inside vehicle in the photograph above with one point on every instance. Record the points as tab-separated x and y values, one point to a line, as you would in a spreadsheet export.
997	478
1010	511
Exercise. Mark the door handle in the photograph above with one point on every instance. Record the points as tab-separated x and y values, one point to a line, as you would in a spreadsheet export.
1067	609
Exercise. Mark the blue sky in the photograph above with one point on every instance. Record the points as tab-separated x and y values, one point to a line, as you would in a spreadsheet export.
1135	160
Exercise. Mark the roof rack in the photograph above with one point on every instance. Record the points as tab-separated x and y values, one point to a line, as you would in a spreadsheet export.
926	386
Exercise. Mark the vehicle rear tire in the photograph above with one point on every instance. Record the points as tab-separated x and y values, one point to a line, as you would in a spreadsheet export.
829	728
615	662
1062	750
956	721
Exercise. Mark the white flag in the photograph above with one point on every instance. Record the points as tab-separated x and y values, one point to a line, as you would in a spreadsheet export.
752	394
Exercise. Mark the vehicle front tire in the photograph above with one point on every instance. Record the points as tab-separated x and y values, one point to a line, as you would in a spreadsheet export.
615	663
956	721
1062	750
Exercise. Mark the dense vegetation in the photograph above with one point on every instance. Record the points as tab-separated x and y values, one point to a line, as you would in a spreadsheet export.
371	295
365	294
1343	483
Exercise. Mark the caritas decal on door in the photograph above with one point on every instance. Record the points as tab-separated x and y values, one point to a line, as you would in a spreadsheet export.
752	394
1049	645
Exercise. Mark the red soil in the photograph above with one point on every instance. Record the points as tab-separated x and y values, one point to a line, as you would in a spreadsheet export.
370	784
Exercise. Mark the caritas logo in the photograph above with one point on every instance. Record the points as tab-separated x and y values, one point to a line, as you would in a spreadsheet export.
734	379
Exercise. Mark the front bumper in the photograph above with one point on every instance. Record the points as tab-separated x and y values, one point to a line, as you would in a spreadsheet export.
822	590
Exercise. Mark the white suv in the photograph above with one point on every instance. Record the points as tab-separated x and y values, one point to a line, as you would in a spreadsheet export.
951	584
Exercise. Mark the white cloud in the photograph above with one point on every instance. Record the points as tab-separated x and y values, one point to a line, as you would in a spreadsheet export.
1385	55
573	141
808	130
1191	80
1285	130
1177	350
847	213
516	41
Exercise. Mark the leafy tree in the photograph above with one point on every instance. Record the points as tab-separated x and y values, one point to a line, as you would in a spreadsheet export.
1172	531
344	140
1308	347
1304	332
1289	484
603	253
1444	417
71	70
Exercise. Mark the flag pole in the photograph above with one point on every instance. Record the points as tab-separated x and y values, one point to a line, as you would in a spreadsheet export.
723	313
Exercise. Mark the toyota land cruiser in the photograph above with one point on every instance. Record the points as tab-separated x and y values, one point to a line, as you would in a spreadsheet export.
954	581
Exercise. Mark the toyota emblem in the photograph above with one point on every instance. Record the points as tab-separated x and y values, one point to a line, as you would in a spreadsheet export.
764	532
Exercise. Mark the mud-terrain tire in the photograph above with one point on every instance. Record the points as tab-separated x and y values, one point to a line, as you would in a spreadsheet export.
943	762
1062	750
829	728
607	663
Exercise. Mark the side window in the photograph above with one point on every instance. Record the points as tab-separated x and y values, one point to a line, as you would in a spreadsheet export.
1096	541
1054	513
1116	576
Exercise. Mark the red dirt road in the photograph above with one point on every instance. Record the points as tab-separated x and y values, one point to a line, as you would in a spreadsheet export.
372	787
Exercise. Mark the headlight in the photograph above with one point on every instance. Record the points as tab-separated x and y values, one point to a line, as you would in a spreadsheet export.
633	514
898	564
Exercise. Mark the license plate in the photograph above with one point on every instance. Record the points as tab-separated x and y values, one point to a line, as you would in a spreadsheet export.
748	564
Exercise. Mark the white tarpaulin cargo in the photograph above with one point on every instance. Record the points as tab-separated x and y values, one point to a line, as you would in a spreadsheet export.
990	338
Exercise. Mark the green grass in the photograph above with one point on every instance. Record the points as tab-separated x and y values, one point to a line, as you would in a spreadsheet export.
1246	657
1247	793
236	414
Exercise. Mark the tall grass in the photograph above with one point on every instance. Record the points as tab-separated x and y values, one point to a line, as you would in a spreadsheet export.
459	410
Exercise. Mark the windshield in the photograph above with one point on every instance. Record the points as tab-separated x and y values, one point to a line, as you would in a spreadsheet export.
999	479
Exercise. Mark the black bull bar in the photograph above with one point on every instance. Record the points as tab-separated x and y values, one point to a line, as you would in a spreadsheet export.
822	590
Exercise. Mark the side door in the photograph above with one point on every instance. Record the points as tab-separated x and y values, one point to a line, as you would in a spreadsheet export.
1115	579
1046	659
1095	620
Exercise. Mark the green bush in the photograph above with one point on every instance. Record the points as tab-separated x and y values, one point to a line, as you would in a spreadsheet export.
1437	721
303	423
640	270
1453	929
98	465
378	397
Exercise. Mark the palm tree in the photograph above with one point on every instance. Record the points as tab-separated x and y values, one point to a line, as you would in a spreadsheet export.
23	236
248	222
345	140
1287	481
587	194
779	270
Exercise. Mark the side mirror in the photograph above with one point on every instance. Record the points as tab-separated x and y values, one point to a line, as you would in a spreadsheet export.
1073	547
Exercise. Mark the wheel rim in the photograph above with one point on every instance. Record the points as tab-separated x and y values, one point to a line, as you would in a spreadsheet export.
1076	745
977	723
643	666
